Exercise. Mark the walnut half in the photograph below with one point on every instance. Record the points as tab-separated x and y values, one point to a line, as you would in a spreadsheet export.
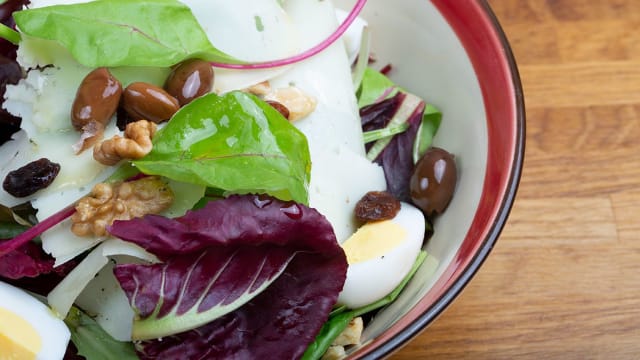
120	201
135	144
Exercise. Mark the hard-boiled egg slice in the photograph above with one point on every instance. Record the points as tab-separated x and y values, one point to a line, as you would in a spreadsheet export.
380	255
28	328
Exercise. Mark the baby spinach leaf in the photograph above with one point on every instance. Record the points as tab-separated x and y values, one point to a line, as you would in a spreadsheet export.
374	87
122	32
236	143
92	342
10	229
23	214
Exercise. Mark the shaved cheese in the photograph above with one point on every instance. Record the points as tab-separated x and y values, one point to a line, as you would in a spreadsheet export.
105	300
269	31
340	173
65	293
355	175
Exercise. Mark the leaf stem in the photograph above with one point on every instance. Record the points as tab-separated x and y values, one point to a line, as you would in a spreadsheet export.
9	34
12	244
374	135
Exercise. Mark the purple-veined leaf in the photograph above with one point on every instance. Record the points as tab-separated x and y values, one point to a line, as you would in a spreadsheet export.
394	154
191	290
258	268
277	324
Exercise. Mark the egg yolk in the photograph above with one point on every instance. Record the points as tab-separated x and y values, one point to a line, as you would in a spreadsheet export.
374	239
18	339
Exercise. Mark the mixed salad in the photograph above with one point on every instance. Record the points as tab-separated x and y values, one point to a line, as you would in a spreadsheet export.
202	180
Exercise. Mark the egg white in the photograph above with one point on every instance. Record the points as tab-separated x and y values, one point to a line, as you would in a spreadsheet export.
52	331
370	280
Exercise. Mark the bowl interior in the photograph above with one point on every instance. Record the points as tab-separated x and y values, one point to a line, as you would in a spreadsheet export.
437	51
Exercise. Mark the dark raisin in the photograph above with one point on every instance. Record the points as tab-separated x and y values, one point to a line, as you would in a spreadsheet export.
280	107
30	178
376	206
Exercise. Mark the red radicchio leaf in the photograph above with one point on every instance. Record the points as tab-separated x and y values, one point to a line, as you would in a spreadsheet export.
377	115
397	157
26	261
215	257
30	268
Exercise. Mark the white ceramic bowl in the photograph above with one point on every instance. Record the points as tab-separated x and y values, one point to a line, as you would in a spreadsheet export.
454	54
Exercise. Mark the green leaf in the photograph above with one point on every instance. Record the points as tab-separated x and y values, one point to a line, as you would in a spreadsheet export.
329	332
373	86
122	32
93	342
22	214
124	172
236	143
9	34
9	230
386	132
402	115
339	319
431	120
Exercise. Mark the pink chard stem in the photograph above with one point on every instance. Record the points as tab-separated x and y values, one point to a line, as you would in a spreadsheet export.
34	231
306	54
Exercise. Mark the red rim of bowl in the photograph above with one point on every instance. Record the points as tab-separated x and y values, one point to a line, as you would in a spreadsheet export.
488	49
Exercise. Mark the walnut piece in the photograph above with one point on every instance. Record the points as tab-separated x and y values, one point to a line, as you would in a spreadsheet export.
351	334
299	103
135	144
119	201
259	89
334	353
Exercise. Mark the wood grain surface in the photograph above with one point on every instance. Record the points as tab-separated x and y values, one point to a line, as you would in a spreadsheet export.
563	281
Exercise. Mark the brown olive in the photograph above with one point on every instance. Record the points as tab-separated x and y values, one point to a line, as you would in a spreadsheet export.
280	107
96	100
433	181
189	80
144	101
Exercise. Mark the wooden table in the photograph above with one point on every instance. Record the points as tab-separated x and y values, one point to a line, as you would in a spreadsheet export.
564	279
